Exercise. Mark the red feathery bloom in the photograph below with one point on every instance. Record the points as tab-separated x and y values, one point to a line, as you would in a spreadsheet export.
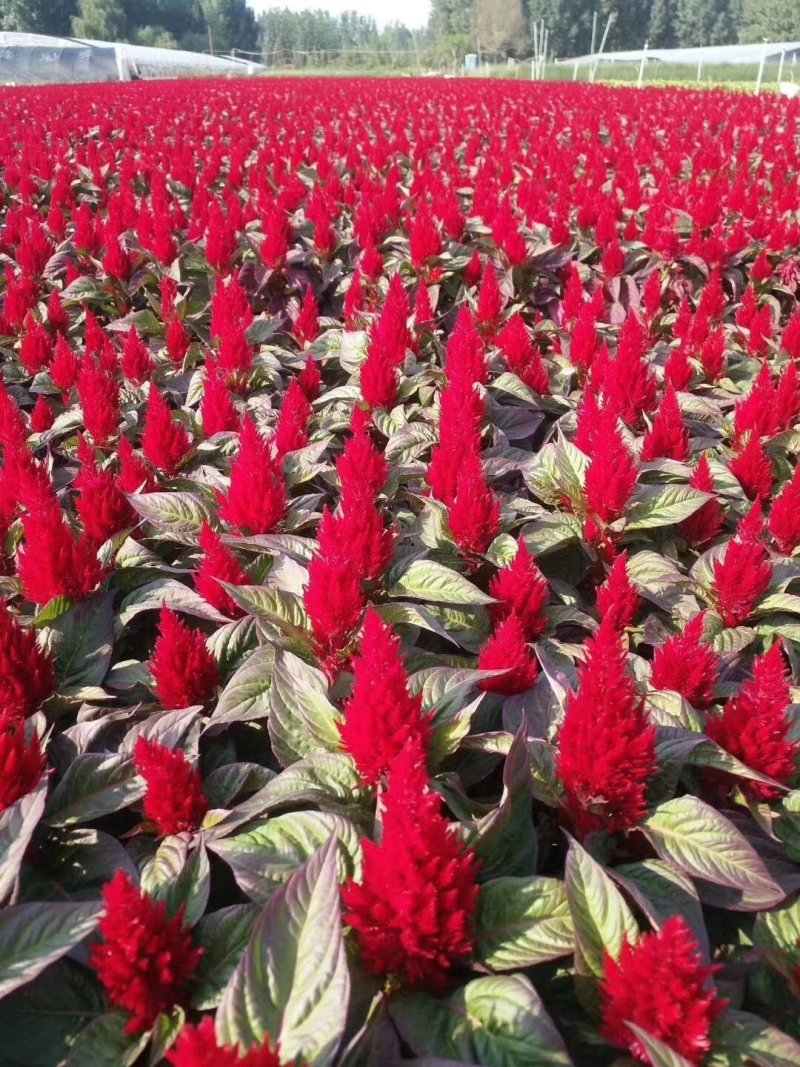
755	726
310	379
661	985
787	399
218	564
197	1047
335	602
22	763
26	669
390	338
757	413
423	309
184	671
362	470
588	422
174	800
358	539
784	519
414	911
101	505
712	354
306	325
704	525
753	469
686	665
134	474
474	515
522	357
508	650
606	748
177	339
53	562
99	396
668	438
521	589
678	369
424	240
217	409
617	598
145	961
42	416
629	384
490	300
137	363
381	716
65	367
790	339
611	475
291	430
584	340
466	362
256	501
743	575
57	314
36	349
165	442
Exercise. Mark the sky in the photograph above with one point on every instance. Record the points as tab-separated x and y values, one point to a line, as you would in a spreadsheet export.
414	13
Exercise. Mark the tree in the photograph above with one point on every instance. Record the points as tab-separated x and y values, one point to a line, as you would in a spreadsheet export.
704	22
37	16
777	20
662	32
631	23
100	20
500	26
569	23
231	24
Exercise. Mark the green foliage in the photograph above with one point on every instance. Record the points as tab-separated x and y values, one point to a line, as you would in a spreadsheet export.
774	19
100	20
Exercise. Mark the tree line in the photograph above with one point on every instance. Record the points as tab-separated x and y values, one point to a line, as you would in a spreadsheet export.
491	27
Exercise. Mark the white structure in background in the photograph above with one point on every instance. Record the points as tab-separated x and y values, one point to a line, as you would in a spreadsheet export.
31	59
737	54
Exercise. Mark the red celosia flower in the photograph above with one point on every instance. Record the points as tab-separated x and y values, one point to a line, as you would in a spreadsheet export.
522	356
197	1047
218	564
606	748
381	716
611	475
134	474
335	601
101	504
306	325
757	414
145	961
668	438
790	339
474	515
310	379
36	349
755	726
424	240
466	362
358	539
183	669
389	340
704	525
42	416
678	369
743	575
413	912
136	363
99	396
362	470
53	562
26	669
584	340
490	300
753	469
629	385
508	650
687	665
661	985
217	409
177	339
174	800
165	442
784	519
617	598
291	431
256	501
22	763
520	588
65	366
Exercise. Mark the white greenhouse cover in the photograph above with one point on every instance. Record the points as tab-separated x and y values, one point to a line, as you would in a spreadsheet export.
723	53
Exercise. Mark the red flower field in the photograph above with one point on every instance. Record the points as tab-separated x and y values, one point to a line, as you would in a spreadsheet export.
400	585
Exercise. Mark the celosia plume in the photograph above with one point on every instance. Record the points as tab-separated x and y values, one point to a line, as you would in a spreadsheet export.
26	669
217	564
520	588
165	442
174	800
507	650
256	500
184	671
617	598
22	762
197	1046
687	665
744	573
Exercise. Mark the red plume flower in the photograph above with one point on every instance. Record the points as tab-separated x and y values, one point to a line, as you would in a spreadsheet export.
165	442
668	438
174	800
291	431
390	338
704	525
743	575
335	601
475	512
522	357
184	671
362	470
688	666
197	1047
629	384
42	416
134	474
413	913
784	519
661	985
755	726
217	409
753	468
137	363
490	300
99	396
611	475
145	961
22	763
521	589
381	716
310	379
606	748
218	564
36	349
101	504
65	366
508	650
53	562
256	501
26	669
306	325
177	339
617	598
